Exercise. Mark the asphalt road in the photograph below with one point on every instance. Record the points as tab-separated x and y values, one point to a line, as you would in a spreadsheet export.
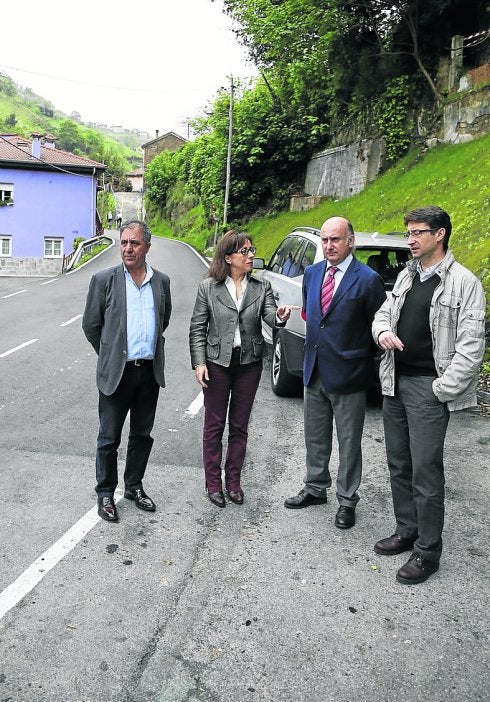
197	604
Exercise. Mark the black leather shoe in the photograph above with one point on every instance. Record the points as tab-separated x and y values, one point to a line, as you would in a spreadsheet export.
236	496
107	509
393	545
345	517
303	499
217	498
141	499
416	570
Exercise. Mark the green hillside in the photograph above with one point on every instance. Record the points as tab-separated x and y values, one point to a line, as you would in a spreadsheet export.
455	177
23	112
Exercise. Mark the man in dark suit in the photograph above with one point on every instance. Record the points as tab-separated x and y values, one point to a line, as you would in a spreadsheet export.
126	313
340	298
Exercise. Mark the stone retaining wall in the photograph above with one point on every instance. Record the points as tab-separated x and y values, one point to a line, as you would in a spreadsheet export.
344	170
42	267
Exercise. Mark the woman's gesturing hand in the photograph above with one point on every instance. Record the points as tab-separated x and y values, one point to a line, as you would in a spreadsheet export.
284	312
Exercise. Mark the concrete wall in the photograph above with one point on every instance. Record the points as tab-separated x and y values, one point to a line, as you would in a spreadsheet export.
344	170
467	117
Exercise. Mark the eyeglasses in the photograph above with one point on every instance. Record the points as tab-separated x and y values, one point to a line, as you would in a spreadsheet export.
417	232
246	250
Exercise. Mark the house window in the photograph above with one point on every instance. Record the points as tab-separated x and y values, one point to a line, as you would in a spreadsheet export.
5	246
6	193
53	248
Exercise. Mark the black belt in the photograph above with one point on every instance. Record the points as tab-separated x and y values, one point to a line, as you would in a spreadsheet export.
140	362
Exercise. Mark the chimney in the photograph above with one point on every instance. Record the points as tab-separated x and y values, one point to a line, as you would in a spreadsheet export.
156	133
36	145
49	141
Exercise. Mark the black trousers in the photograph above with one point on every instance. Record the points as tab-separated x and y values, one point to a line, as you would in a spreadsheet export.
137	393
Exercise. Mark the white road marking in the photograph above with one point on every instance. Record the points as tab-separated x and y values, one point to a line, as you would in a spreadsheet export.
196	404
47	282
17	348
73	319
15	592
15	293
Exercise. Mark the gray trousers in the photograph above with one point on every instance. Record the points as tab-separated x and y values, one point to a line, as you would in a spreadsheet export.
320	409
415	424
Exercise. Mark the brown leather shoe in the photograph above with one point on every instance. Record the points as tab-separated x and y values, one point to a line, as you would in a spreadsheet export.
345	517
141	499
217	498
416	570
393	545
236	496
106	508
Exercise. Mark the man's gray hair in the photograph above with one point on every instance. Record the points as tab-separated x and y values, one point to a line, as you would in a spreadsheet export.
133	224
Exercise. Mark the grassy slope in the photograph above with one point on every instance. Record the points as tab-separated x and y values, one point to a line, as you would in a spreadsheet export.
454	177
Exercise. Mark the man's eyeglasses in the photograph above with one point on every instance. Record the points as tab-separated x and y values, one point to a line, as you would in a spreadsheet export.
417	232
246	250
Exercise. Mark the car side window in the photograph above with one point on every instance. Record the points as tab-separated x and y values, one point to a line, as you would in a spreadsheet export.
284	260
307	259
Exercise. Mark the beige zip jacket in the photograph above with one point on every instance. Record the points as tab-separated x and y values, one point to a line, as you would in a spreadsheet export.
457	322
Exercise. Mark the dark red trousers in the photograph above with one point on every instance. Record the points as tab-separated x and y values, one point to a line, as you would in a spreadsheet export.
231	391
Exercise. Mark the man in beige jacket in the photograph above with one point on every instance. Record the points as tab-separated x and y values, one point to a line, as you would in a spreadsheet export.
432	329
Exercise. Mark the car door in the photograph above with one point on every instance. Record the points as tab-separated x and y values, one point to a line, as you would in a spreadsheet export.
283	273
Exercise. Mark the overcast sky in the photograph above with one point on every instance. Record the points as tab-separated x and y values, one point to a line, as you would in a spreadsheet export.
150	65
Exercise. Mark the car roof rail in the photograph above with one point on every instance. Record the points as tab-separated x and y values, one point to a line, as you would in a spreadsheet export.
310	230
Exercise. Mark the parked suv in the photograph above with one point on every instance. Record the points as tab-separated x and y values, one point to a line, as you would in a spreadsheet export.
385	253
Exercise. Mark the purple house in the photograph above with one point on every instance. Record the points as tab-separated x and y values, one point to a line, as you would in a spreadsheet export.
47	199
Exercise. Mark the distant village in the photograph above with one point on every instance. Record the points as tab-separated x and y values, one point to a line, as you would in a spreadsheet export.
117	129
137	134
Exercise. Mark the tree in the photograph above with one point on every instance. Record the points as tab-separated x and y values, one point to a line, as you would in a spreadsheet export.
7	86
69	136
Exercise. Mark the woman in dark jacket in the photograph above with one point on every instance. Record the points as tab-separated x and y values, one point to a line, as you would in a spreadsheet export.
227	347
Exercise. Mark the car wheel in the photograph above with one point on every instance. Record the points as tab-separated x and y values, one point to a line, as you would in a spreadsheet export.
283	383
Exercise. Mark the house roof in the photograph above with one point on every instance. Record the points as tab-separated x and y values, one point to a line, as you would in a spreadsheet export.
16	151
164	136
136	174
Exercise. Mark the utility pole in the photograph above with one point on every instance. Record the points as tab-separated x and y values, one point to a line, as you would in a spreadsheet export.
228	159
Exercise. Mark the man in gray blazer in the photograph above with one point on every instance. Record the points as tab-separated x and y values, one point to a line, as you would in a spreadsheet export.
126	313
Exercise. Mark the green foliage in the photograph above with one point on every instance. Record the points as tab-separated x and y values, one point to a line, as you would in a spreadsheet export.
77	241
86	257
391	117
193	225
161	173
7	86
106	202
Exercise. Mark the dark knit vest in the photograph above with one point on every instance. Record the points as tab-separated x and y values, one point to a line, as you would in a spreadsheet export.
417	357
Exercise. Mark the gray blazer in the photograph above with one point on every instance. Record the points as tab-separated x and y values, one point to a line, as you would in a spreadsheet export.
214	320
105	326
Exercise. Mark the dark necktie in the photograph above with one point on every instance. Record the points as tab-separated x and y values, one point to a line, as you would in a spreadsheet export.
328	288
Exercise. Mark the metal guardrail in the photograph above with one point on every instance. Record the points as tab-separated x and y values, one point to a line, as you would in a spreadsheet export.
84	247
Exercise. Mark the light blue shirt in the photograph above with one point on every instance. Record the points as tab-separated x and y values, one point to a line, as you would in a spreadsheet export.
140	318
